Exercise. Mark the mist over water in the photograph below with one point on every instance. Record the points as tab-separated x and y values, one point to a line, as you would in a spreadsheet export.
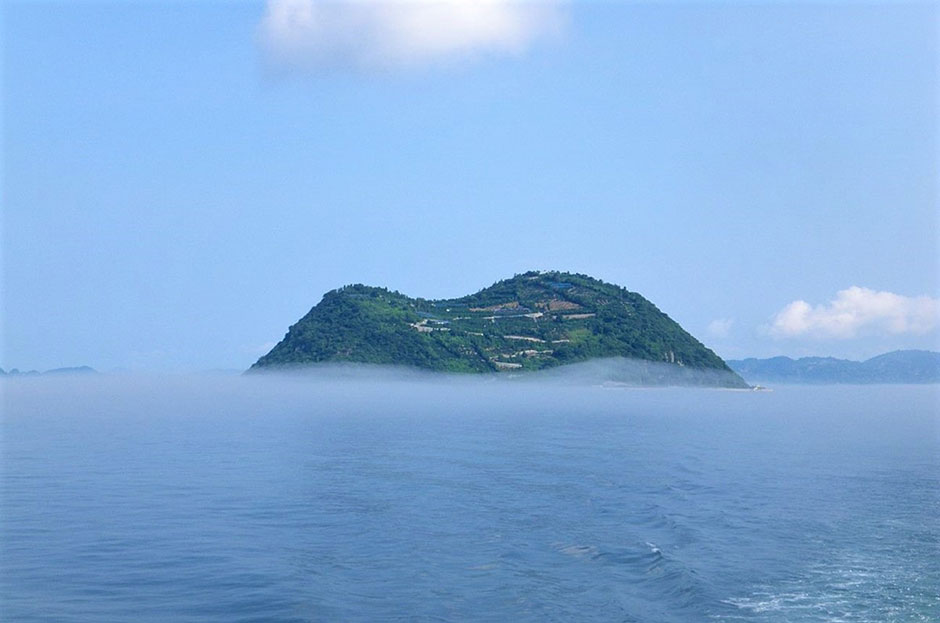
378	494
610	371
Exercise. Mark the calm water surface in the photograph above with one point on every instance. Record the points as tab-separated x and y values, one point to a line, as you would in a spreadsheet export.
355	499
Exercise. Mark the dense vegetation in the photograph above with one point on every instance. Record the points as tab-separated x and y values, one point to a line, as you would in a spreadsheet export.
532	321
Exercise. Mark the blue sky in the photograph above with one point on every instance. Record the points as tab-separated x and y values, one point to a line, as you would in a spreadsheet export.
182	182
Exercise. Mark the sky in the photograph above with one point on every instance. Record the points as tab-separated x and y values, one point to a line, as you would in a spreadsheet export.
181	182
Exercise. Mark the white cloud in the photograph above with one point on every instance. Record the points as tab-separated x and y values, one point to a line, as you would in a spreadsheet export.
720	327
858	310
394	34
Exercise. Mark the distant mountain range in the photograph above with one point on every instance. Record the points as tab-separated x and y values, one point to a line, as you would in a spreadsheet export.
531	321
75	370
901	366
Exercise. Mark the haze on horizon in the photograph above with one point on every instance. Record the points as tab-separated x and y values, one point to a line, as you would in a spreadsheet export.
181	183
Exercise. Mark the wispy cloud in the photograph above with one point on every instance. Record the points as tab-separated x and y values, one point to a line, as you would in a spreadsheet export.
370	35
720	327
855	311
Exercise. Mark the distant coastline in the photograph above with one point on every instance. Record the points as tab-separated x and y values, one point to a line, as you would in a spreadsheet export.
897	367
79	370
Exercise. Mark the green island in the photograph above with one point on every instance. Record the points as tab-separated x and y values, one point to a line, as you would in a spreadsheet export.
532	321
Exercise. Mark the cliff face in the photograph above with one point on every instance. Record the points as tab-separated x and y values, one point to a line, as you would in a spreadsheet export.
532	321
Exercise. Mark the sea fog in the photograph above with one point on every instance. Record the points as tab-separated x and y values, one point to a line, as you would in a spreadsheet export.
379	494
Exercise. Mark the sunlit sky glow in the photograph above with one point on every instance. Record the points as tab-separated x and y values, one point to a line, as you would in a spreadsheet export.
182	182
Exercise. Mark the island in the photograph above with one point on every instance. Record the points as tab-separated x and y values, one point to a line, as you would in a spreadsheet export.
533	321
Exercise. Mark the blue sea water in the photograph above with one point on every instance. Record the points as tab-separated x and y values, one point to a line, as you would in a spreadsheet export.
347	498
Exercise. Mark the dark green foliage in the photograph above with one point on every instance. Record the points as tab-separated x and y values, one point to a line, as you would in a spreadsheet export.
532	321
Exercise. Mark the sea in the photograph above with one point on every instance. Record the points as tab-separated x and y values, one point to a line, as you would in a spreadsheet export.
384	496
